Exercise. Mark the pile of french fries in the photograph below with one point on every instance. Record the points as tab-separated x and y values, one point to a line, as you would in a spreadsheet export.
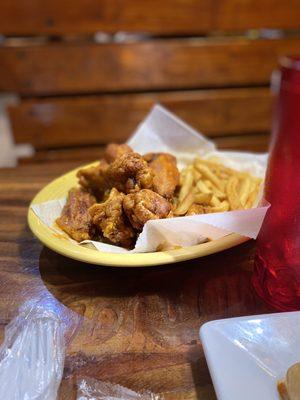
207	186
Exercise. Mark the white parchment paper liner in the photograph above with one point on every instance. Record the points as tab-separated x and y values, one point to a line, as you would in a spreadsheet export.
162	131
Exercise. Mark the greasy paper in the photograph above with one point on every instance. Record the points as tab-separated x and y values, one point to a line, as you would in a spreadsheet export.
162	131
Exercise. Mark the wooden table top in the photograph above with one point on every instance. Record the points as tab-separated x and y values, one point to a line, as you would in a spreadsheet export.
135	327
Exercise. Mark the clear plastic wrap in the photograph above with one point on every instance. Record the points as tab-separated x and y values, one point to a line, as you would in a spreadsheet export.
32	354
92	389
32	358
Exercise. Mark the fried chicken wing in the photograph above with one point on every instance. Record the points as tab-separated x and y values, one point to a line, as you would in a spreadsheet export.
75	219
110	219
132	189
114	151
129	173
144	205
94	178
166	174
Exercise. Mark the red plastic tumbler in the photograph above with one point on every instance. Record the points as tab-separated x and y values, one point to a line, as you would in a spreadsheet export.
277	262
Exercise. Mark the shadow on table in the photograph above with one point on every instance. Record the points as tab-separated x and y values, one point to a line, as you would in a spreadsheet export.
149	318
168	303
209	285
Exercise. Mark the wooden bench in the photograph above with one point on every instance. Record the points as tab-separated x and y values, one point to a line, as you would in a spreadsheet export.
206	60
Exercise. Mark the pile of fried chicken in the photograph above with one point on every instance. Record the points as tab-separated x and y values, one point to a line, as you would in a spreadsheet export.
116	197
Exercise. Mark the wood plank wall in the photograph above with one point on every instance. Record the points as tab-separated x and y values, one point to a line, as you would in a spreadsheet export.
196	57
171	17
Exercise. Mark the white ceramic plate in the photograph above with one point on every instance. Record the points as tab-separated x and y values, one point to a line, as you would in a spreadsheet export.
246	356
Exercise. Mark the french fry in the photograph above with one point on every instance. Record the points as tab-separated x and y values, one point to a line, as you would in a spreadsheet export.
232	194
208	183
215	202
252	196
186	185
183	206
245	190
217	166
207	173
207	186
184	172
203	198
218	193
224	206
203	187
197	175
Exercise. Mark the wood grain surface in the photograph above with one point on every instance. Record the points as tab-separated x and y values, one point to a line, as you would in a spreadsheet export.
138	328
59	68
157	17
90	120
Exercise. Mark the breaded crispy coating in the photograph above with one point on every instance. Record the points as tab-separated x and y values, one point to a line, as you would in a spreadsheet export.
119	195
110	220
94	179
129	173
166	174
145	205
114	151
75	219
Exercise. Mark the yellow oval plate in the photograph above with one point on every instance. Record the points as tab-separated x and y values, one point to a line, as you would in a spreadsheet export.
59	188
